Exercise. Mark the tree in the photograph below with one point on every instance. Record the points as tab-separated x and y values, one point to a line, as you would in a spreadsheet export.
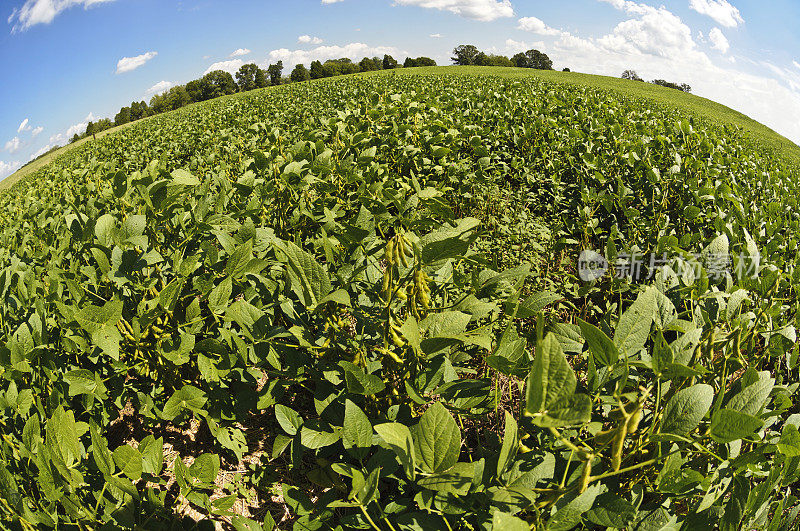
138	110
198	89
425	61
275	72
565	69
538	60
520	60
317	70
332	68
492	60
369	65
123	116
218	83
409	63
300	73
246	77
631	75
261	78
389	62
686	88
465	54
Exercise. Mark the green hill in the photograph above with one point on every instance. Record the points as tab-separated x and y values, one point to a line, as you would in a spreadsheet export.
436	299
760	134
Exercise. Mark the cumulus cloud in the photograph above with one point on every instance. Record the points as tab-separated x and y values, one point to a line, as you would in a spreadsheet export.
537	26
718	40
78	128
483	10
721	11
23	126
308	39
240	52
228	66
654	31
127	64
657	44
354	50
35	12
159	87
42	151
7	168
36	131
13	145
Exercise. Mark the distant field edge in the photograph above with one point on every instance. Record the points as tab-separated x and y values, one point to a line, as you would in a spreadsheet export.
759	134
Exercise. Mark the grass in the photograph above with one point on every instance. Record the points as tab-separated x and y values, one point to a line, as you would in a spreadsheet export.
760	135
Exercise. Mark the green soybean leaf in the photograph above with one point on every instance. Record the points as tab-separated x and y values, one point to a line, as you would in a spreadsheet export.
181	177
612	511
550	393
399	439
309	279
288	419
536	303
437	439
100	452
634	326
205	468
789	444
752	398
728	425
505	522
357	430
686	409
129	461
188	397
601	346
510	445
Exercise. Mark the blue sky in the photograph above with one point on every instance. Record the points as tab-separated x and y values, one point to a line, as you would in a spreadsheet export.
69	61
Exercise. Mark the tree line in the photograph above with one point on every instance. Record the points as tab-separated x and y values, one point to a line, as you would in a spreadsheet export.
633	76
470	55
249	77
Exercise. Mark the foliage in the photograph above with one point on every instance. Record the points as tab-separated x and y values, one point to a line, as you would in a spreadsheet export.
376	275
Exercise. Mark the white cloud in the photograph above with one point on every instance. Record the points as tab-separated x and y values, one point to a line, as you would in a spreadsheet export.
7	168
72	130
36	131
537	26
655	31
229	66
324	2
35	12
718	40
354	50
13	145
126	64
42	151
512	47
435	35
308	39
23	126
483	10
657	44
720	10
159	87
240	52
